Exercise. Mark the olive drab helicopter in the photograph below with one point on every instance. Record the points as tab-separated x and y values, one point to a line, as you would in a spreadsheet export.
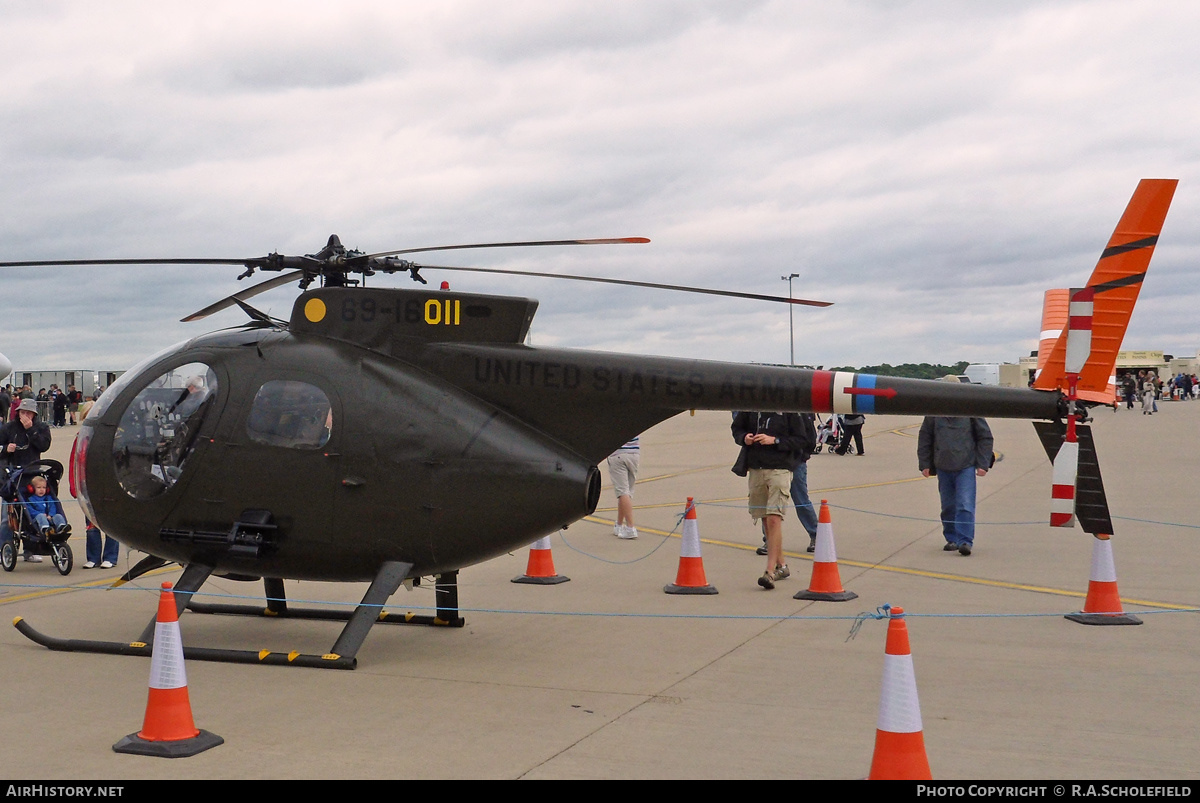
336	445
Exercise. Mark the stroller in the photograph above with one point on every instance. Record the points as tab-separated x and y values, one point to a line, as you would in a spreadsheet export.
828	433
16	490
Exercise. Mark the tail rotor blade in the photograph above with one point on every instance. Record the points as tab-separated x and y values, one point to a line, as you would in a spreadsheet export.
1079	329
1090	503
1062	491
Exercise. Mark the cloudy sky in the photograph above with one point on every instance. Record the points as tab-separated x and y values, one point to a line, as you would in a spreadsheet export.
930	167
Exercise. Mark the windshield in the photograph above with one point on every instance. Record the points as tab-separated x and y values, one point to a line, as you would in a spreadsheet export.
158	431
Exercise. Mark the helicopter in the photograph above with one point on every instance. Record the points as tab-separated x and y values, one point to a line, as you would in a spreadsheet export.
386	435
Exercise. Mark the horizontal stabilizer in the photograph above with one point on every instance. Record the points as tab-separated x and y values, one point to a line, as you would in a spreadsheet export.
1115	282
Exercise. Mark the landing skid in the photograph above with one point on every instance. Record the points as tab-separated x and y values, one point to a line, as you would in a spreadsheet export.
341	656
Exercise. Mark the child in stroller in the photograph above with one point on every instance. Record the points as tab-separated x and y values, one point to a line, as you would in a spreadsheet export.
35	515
44	507
828	433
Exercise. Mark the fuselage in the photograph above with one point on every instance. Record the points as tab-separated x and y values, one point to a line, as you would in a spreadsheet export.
410	426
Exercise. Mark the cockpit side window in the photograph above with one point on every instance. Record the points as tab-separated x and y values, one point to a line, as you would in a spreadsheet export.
292	414
158	430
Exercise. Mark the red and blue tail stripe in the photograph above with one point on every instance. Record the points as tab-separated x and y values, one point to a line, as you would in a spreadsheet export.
837	392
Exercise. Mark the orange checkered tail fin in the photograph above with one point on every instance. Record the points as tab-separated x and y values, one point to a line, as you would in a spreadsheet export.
1115	284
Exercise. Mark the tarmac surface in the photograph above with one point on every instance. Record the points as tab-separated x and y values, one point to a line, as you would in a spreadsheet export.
606	676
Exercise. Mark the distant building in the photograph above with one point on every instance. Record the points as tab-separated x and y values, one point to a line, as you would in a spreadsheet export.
88	381
105	378
1134	361
1002	374
1183	365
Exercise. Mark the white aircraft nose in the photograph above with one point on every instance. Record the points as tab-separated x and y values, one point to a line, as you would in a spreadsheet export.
5	366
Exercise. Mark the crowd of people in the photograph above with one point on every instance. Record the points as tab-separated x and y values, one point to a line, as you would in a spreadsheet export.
24	438
60	406
1148	388
775	448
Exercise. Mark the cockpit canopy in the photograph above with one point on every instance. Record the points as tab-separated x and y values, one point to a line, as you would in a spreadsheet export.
158	430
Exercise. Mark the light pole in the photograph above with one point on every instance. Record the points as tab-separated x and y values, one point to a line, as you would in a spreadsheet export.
791	317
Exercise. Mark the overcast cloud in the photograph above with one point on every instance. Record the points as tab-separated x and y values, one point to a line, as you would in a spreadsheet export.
931	167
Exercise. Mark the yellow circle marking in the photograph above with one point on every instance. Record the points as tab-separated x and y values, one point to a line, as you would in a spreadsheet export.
314	310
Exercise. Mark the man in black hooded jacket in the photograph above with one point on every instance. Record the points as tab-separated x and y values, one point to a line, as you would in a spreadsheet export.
772	444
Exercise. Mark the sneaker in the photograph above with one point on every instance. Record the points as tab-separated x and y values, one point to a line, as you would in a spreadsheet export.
628	532
33	558
812	544
781	573
106	564
950	547
62	529
964	549
617	529
89	565
766	582
762	550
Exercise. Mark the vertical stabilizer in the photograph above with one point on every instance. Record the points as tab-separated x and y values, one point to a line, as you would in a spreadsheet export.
1116	281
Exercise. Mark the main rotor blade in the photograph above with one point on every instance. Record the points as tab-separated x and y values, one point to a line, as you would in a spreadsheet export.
608	241
249	292
631	283
58	262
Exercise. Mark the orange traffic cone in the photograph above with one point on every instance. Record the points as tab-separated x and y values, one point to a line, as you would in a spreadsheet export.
690	578
826	583
899	737
540	569
1103	603
168	730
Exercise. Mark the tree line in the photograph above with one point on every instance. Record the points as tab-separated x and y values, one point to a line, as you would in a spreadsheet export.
913	370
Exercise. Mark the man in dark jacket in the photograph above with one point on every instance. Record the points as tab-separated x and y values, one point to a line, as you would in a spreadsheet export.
772	446
21	443
957	450
59	402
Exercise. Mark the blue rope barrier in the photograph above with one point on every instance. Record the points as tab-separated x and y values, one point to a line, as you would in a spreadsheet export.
882	612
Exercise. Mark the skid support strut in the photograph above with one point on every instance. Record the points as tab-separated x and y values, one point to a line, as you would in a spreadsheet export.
358	622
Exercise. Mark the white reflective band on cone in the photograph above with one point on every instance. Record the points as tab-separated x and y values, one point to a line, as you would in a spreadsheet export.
1103	569
899	709
166	662
690	548
826	551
